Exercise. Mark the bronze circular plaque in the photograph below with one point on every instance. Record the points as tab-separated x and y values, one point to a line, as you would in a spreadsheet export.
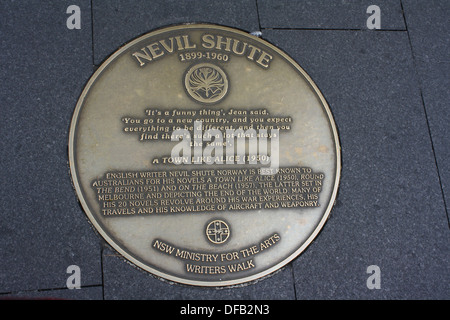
204	155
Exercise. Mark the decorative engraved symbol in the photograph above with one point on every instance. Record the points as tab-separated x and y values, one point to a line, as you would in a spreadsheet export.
206	83
217	231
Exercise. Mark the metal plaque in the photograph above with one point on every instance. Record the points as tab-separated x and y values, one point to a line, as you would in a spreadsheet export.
204	155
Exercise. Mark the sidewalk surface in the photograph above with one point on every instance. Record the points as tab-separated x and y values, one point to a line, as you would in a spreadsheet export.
388	89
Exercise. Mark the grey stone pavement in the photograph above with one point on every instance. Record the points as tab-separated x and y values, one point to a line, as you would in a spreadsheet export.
389	91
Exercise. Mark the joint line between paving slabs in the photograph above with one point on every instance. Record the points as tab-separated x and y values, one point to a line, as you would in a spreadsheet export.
257	14
331	29
92	32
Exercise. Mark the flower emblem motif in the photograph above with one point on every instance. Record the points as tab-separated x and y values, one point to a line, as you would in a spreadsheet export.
206	83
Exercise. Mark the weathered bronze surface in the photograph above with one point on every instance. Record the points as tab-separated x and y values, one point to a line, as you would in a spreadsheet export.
204	155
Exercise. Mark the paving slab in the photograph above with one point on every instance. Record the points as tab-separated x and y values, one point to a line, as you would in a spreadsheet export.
428	24
389	211
324	14
44	67
144	16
